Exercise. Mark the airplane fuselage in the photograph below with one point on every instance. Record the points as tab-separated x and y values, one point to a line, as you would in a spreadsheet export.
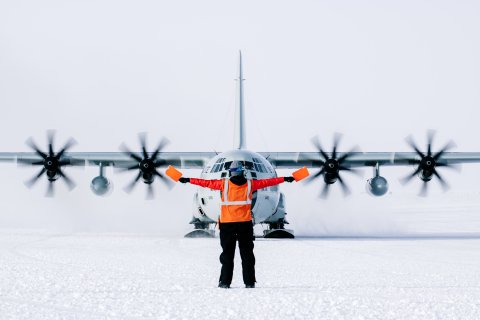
267	204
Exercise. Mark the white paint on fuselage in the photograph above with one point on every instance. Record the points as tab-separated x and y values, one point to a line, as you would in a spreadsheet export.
208	200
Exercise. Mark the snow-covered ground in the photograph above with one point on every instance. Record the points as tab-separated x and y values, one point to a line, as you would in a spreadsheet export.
114	276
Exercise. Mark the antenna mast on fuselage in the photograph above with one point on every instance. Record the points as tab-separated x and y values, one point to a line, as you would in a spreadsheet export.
239	138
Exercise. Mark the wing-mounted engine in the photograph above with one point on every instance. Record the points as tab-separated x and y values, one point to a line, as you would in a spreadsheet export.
331	166
428	163
52	163
146	164
378	185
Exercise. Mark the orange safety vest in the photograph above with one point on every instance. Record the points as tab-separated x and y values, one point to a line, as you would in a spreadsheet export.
236	202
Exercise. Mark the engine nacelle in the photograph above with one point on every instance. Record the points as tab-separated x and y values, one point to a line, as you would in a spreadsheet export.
101	186
425	175
148	177
377	186
330	178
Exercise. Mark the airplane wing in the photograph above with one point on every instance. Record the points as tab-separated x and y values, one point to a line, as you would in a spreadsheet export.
52	165
364	159
184	160
281	160
8	156
425	164
330	164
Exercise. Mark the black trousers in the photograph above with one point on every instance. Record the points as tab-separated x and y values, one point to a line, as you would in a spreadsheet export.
230	233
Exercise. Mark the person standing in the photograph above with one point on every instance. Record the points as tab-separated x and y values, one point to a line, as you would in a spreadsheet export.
235	220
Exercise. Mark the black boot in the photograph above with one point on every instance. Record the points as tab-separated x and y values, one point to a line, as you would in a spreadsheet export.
223	285
249	286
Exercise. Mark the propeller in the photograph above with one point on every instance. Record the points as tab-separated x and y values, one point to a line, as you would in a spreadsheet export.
428	163
331	166
147	165
51	162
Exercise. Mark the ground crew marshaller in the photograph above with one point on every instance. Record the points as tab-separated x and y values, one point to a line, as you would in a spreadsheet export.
236	219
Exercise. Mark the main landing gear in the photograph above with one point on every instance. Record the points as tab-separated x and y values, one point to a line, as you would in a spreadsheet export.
277	230
201	230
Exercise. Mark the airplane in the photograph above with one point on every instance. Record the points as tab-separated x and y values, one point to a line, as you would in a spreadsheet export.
268	205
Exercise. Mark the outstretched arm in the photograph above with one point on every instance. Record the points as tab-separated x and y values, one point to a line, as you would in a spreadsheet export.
264	183
212	184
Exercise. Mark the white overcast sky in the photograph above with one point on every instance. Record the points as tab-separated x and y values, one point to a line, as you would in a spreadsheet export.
102	71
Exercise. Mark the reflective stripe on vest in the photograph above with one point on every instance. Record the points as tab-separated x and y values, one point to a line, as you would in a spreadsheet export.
236	203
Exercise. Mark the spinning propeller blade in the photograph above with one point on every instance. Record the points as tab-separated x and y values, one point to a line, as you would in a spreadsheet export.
332	165
52	163
428	163
146	165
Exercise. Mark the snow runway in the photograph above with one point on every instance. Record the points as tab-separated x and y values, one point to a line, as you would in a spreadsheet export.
87	276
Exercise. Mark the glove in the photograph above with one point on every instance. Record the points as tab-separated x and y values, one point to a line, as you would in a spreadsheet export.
184	180
288	179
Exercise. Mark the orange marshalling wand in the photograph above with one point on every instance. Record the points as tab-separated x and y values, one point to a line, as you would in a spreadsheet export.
173	173
301	174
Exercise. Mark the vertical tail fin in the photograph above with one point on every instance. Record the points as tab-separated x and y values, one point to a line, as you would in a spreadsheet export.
239	138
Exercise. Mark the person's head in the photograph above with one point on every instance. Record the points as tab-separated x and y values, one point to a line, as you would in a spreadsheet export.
236	169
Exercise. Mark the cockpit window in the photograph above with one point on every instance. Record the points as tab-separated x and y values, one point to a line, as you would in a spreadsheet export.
259	165
247	164
218	166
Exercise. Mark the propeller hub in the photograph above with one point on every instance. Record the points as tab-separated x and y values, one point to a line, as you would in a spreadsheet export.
428	163
147	166
331	166
51	164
